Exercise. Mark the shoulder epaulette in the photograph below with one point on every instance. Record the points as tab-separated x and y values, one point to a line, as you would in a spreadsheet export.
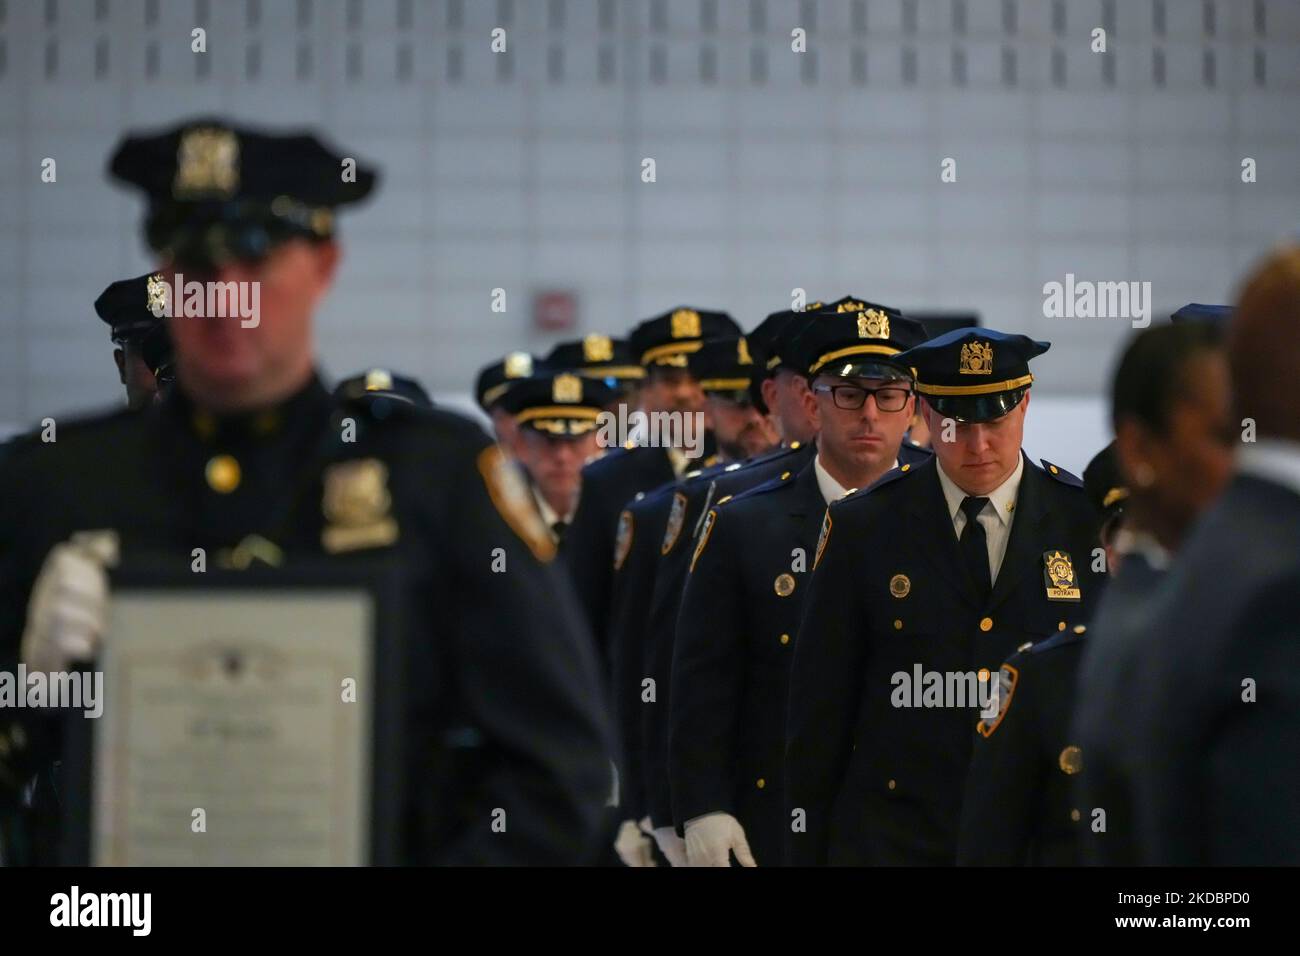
1060	474
1059	639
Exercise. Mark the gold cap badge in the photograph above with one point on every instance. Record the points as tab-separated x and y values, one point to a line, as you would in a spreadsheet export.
976	358
597	348
566	389
873	324
518	365
686	324
156	293
207	164
379	380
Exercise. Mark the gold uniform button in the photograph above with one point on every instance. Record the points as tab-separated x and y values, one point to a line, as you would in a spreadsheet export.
223	474
785	475
893	785
1054	469
898	624
1060	625
785	638
1076	816
986	624
905	467
760	783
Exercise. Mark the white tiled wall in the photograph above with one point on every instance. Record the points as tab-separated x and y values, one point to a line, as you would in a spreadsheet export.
775	170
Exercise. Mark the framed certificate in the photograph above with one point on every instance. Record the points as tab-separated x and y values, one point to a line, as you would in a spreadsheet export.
248	718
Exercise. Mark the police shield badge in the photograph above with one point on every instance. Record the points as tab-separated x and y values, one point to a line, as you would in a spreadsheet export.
1058	576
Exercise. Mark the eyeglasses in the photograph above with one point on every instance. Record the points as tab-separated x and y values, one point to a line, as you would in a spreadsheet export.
855	396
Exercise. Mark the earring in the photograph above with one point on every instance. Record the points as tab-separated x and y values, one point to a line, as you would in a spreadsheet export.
1144	476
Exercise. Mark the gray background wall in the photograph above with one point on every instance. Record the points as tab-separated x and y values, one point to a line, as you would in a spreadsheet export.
775	170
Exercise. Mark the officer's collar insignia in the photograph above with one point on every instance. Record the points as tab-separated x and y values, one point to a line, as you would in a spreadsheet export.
378	380
1114	495
823	538
566	389
900	585
1071	760
623	539
850	307
1008	677
156	295
357	506
676	518
597	348
207	164
685	324
873	324
783	585
518	365
709	521
742	352
976	358
510	496
1058	576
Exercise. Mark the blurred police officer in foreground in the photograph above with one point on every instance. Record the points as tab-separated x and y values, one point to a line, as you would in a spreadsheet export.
740	608
936	573
133	309
555	415
247	457
1171	410
1208	755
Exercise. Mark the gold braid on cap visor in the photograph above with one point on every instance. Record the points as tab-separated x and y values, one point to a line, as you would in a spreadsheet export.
988	388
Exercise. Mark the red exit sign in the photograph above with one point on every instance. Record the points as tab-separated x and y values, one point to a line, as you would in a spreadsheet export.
555	311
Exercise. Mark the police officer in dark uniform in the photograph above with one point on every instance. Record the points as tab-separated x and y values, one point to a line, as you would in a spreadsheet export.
133	309
608	484
1220	668
251	459
384	391
936	573
740	608
1021	805
556	415
491	385
652	522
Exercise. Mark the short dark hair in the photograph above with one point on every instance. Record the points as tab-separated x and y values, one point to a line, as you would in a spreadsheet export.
1151	375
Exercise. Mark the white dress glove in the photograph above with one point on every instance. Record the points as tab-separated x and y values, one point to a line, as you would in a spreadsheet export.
670	844
68	609
633	846
711	839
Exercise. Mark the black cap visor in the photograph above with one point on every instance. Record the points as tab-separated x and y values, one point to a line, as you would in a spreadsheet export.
976	409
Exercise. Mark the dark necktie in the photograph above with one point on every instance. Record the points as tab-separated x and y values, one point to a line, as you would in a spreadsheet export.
975	547
559	528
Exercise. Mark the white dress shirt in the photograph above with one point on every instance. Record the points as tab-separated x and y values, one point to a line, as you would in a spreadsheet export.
1273	459
996	517
831	489
549	514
